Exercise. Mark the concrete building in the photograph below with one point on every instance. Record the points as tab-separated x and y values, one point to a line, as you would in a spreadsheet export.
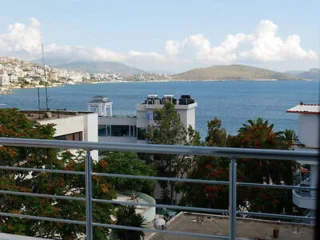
4	78
129	128
309	122
72	126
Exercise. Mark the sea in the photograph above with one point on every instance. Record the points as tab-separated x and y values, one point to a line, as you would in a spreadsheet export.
234	102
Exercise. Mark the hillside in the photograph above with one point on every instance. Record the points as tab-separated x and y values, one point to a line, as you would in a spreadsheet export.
313	74
232	72
100	67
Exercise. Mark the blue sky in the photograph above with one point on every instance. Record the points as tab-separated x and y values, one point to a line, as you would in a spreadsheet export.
137	32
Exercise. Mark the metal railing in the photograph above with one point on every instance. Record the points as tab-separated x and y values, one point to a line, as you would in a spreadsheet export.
232	153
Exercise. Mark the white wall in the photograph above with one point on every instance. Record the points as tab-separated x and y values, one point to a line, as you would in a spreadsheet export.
91	131
85	123
66	125
309	130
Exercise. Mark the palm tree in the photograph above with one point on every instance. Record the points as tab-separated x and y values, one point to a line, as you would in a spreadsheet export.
288	136
126	216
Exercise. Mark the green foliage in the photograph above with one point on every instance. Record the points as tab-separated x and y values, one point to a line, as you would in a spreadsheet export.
15	124
168	129
129	164
127	216
253	134
217	136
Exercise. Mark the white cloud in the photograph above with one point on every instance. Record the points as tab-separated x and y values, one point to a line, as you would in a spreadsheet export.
267	46
263	46
21	39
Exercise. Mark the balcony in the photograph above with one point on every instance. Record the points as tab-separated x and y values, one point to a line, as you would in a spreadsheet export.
304	198
232	218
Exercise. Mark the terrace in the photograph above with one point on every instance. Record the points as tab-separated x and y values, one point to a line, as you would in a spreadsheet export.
233	225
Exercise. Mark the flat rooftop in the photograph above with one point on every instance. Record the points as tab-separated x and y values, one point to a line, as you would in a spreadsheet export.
246	228
54	114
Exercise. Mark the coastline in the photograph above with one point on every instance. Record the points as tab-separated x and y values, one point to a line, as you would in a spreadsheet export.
10	89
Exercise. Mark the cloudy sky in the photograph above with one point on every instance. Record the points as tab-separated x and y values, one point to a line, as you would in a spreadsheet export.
165	35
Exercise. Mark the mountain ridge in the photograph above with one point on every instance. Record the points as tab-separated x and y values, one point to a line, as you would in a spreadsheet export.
233	72
313	73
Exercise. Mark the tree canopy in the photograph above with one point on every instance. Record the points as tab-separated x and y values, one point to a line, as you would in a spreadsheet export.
253	134
15	124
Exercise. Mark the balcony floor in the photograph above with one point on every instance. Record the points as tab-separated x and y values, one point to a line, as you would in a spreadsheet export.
248	229
5	236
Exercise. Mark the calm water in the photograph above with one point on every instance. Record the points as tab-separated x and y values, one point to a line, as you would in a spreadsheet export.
234	102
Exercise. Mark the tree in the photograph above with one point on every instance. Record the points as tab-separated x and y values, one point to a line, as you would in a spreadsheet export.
208	168
15	124
126	216
253	134
169	130
129	164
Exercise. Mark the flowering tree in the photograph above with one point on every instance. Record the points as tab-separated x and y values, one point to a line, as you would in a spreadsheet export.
253	134
15	124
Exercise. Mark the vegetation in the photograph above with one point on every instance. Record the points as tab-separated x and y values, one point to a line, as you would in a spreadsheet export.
129	164
169	130
15	124
253	134
232	72
126	216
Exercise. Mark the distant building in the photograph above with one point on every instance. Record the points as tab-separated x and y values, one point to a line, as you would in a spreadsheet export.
309	129
13	78
4	78
130	128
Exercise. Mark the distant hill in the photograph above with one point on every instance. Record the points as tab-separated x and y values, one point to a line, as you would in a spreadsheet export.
232	72
313	74
100	67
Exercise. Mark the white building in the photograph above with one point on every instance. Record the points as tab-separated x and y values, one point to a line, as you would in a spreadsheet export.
129	128
4	78
72	126
13	78
309	129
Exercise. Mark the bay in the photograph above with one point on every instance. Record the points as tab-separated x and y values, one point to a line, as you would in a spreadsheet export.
234	102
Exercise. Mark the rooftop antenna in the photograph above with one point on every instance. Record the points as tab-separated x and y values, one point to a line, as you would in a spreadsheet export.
45	74
39	106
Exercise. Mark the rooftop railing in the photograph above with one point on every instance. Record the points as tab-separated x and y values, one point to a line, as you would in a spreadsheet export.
232	153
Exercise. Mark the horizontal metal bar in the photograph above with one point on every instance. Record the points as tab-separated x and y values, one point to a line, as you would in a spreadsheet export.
241	184
161	178
41	195
311	155
272	215
40	170
190	234
162	206
277	186
42	218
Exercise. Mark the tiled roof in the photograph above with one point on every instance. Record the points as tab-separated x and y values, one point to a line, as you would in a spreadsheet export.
305	109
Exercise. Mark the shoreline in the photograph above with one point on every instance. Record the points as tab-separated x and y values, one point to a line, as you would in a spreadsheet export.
9	90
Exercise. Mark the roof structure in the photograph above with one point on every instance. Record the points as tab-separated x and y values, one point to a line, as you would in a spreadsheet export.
99	99
305	109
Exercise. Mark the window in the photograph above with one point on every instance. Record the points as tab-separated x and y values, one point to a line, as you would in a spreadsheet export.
102	130
77	136
120	130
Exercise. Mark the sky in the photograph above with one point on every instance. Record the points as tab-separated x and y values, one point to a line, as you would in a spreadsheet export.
166	35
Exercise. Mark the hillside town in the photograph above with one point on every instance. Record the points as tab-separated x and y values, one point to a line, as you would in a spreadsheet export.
15	73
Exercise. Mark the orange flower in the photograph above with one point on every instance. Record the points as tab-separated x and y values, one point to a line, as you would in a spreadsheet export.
103	164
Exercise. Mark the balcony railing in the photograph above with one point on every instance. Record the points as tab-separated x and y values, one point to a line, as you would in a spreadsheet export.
232	153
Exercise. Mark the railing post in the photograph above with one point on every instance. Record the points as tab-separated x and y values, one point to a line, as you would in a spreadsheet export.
233	199
89	195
